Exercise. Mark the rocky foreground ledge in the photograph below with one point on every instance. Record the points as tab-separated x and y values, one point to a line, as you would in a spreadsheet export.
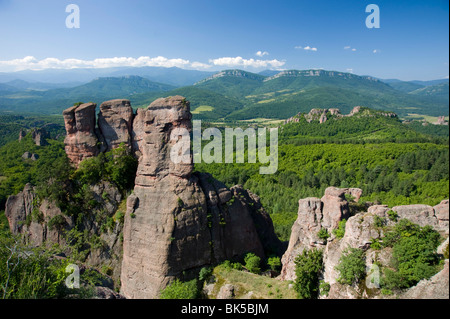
361	230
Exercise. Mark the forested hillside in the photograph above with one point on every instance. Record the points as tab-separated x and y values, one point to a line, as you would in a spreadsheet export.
233	95
391	162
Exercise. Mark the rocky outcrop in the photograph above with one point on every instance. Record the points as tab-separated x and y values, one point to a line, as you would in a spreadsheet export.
31	156
22	134
441	121
360	232
178	221
434	288
43	223
115	122
239	223
441	211
81	139
28	217
313	215
166	219
39	136
436	216
84	140
324	115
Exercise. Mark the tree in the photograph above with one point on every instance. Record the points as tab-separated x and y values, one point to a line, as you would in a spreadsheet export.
180	290
308	266
352	266
274	263
252	263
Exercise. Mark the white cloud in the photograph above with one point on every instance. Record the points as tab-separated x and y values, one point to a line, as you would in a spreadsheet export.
31	63
241	62
376	51
349	48
353	49
308	48
349	70
261	53
199	65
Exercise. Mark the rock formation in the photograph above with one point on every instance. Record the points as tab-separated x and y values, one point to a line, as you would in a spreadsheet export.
360	231
177	221
81	140
43	222
441	121
324	115
84	140
26	216
22	134
31	156
39	136
434	288
313	215
115	122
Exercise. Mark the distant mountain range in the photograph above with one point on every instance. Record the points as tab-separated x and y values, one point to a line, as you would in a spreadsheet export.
172	76
293	91
229	94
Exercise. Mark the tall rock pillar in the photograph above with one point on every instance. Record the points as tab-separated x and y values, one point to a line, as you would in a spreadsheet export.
166	227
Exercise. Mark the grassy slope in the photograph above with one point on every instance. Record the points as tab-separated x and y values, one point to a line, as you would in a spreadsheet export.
262	287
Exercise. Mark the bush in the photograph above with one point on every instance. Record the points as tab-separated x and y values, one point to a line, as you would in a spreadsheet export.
180	290
252	263
204	273
121	168
392	215
56	222
323	234
446	252
274	263
36	276
414	255
308	266
117	166
324	288
352	266
340	231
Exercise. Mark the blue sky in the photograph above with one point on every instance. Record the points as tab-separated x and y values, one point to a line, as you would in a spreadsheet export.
411	43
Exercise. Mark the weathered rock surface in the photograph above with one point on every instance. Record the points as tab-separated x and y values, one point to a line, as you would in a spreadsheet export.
436	216
115	122
313	215
226	292
44	224
360	231
81	140
39	136
335	207
177	221
25	216
434	288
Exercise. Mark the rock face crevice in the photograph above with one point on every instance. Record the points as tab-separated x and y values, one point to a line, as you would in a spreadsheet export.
115	121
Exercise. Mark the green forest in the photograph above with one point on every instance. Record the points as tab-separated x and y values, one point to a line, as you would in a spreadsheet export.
393	163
